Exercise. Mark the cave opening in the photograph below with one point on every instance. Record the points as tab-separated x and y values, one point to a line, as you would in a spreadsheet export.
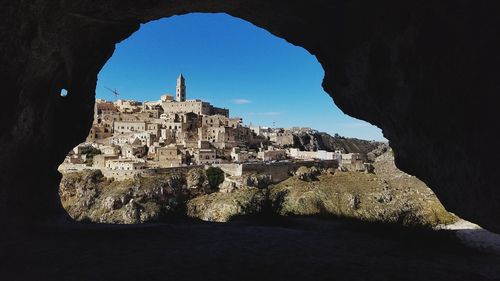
200	90
409	68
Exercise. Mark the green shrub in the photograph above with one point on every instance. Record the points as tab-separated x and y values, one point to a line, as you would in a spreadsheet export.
90	152
215	176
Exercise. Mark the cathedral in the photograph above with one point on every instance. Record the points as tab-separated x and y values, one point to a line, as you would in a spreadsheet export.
183	105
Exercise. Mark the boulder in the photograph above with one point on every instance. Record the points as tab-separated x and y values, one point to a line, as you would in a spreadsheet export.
259	181
196	178
222	207
307	174
132	212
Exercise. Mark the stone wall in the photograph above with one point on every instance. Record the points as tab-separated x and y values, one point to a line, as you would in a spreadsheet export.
232	169
278	171
121	175
171	170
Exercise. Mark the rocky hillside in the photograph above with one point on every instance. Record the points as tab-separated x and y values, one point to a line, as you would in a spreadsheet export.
324	141
88	196
388	196
222	206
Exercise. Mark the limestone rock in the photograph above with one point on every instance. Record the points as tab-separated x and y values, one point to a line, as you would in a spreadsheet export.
227	186
330	171
259	181
389	196
307	174
112	203
79	192
88	196
379	150
314	141
353	201
222	207
196	178
132	212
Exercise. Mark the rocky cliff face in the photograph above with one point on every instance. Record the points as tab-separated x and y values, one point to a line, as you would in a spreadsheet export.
223	206
425	73
324	141
88	196
387	196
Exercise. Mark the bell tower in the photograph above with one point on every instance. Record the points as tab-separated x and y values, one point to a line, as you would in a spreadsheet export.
180	94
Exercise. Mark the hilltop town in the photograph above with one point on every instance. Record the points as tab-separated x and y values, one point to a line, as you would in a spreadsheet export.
176	157
131	137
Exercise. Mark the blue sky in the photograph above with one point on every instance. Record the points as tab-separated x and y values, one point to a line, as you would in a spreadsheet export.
230	63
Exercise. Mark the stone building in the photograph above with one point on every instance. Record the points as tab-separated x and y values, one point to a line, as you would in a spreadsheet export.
125	164
353	161
121	127
128	106
282	137
214	120
320	154
110	149
196	106
174	130
182	105
120	139
103	108
272	154
205	156
238	155
168	156
180	90
257	130
235	122
145	138
325	155
98	132
99	161
75	159
153	127
167	136
133	151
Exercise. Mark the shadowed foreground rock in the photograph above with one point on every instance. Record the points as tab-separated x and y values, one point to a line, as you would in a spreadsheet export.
296	249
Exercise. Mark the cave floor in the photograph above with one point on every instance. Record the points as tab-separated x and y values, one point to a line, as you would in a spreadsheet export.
292	249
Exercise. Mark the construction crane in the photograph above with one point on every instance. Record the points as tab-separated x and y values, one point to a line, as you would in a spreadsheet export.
112	91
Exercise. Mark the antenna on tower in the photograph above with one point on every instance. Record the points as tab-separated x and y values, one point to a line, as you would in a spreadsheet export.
112	91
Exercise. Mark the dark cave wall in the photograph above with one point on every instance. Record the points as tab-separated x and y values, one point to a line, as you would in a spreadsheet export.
425	72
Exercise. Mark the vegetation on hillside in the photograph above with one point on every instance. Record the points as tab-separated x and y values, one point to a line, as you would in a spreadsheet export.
387	195
215	177
88	196
90	152
361	196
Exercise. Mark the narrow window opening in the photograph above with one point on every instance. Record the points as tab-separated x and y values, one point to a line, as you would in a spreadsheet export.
64	93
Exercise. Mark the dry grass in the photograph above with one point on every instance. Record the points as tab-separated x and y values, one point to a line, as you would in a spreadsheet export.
361	196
